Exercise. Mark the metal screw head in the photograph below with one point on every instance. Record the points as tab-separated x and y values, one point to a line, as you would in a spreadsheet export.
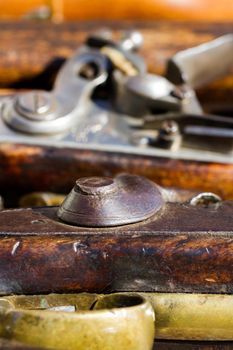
35	105
170	128
104	202
169	136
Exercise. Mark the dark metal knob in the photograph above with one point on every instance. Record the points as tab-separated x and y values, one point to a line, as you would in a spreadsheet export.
103	201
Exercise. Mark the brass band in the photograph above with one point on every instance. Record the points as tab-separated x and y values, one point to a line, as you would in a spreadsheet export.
126	322
115	321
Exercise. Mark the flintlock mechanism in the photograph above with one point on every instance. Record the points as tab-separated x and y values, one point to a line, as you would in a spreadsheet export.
141	110
104	101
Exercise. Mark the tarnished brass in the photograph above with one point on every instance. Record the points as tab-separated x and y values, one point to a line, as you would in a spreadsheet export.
37	199
178	316
125	323
120	61
192	316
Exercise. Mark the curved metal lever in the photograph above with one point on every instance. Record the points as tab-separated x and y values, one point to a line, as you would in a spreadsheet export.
39	112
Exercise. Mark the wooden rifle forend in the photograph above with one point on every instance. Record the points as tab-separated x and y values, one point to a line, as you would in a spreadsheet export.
183	248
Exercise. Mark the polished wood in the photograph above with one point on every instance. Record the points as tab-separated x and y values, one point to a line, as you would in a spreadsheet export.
180	249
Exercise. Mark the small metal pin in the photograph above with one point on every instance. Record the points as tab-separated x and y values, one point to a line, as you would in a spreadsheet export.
169	136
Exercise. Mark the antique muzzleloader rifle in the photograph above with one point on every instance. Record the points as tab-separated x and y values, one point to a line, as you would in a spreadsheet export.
172	254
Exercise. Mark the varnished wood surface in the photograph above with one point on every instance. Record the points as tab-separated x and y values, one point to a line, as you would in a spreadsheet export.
180	249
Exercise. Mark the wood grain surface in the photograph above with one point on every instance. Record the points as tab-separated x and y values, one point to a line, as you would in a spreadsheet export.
180	249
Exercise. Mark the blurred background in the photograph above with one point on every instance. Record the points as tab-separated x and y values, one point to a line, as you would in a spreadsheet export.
61	10
38	35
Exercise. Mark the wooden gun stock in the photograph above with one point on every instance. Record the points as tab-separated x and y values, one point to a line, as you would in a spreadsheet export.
182	249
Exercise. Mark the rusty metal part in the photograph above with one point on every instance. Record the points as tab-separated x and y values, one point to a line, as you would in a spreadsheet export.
125	322
103	201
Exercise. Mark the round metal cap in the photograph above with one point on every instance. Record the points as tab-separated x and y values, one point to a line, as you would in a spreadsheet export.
103	201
